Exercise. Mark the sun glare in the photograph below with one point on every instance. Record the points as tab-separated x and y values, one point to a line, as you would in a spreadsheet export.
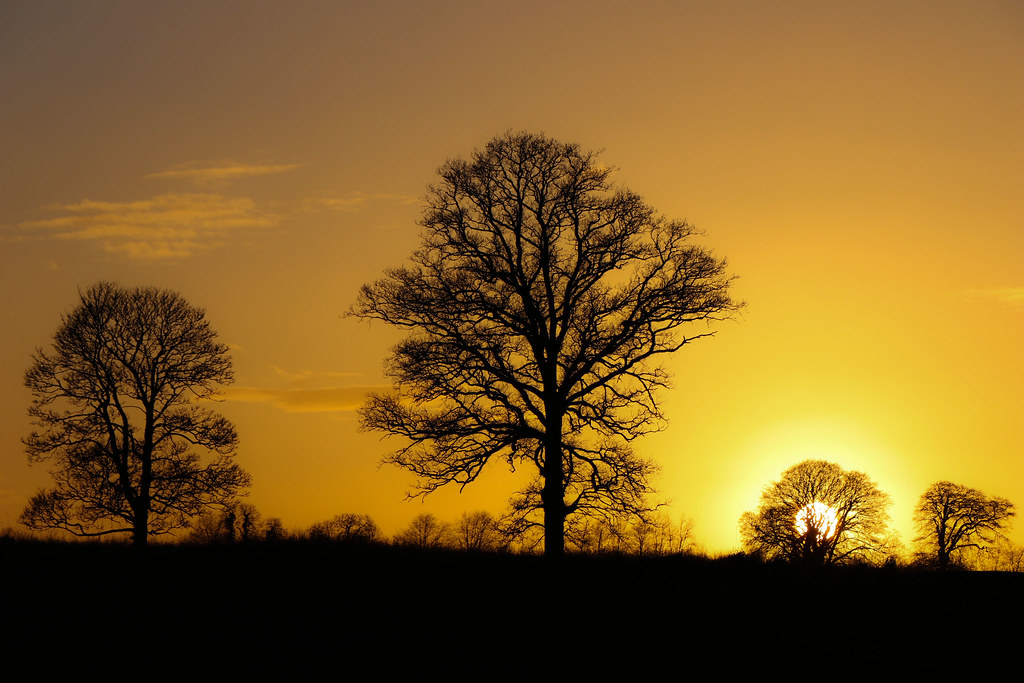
817	515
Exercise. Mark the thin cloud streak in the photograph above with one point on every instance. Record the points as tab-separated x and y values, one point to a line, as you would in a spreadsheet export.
221	172
305	377
1008	296
356	201
327	400
168	226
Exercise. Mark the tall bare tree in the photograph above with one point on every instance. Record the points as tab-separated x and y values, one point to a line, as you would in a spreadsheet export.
118	403
819	513
952	518
536	306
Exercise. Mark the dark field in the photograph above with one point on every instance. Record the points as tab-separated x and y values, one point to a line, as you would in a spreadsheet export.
305	610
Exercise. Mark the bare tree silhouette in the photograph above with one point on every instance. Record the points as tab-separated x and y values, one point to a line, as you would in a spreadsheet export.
477	531
536	304
348	527
952	518
819	513
425	531
237	522
117	403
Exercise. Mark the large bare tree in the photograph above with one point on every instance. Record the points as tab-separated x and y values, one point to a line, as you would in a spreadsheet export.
538	301
952	518
118	406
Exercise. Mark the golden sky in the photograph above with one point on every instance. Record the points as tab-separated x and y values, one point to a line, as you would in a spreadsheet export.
860	164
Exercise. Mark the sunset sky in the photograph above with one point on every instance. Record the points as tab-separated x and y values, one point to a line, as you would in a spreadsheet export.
859	164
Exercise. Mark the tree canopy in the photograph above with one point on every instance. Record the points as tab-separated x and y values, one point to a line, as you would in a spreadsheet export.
118	406
537	304
952	518
819	513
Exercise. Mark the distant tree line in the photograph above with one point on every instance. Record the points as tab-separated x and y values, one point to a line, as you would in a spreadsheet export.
477	531
959	528
817	514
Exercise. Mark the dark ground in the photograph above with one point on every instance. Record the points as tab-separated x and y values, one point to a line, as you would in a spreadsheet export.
308	610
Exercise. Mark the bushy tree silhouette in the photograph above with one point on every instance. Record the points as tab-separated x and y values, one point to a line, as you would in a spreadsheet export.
118	407
818	513
952	518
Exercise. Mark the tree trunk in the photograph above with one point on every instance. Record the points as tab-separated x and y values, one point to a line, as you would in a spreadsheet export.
552	495
140	530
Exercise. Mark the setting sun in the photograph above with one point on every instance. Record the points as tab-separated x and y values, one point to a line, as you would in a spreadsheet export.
818	517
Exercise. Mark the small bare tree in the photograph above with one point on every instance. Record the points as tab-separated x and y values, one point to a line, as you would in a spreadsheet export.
237	522
347	527
273	529
1006	556
477	531
684	539
241	522
425	531
119	404
206	528
952	518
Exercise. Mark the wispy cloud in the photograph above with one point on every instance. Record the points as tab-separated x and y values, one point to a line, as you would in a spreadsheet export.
330	399
355	201
168	226
1008	296
217	172
303	378
306	391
